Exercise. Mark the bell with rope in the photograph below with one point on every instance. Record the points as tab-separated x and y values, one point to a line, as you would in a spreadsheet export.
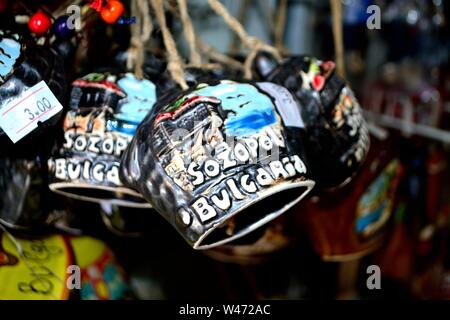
349	223
105	110
25	64
211	159
335	134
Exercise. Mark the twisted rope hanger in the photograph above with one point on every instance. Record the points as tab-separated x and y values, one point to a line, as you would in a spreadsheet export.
175	65
216	55
241	15
280	24
206	52
189	34
140	34
336	12
255	45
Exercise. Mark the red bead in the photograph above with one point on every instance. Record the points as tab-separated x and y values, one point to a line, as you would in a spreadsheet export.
112	11
39	23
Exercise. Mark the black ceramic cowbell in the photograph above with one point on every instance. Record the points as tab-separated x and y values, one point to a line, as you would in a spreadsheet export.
24	64
105	110
336	136
23	193
218	161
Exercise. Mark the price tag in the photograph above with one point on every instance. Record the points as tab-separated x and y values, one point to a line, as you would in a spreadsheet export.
21	116
287	106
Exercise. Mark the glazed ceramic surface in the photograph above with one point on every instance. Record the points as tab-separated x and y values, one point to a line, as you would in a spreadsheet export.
24	64
23	192
105	111
336	136
351	222
43	269
211	159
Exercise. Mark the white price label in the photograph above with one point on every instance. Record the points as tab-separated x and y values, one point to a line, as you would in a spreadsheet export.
21	116
286	104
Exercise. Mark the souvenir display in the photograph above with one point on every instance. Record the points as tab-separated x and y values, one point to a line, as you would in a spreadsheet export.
349	223
25	66
336	136
204	159
218	149
105	111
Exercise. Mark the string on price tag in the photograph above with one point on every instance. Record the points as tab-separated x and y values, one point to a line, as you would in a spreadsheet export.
21	115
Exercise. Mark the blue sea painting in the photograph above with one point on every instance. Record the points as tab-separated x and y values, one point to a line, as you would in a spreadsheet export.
9	52
141	96
249	110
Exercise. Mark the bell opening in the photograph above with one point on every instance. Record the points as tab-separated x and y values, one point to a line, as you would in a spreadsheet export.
253	217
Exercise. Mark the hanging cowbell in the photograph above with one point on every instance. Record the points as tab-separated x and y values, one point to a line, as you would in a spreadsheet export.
23	65
351	222
336	136
213	159
105	110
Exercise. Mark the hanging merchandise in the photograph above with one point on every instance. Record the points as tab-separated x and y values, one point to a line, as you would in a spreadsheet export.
431	232
397	256
32	85
203	158
23	193
125	135
414	254
105	110
404	100
57	267
350	222
336	136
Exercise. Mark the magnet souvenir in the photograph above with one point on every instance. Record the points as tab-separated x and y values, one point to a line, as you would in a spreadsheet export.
336	136
23	64
217	161
351	222
105	110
